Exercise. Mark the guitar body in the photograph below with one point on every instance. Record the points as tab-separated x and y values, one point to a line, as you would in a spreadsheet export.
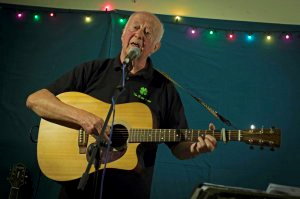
58	151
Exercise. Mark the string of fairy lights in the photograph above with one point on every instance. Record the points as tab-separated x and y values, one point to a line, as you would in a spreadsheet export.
231	34
192	31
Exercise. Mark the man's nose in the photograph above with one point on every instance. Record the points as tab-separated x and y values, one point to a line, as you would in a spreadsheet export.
139	33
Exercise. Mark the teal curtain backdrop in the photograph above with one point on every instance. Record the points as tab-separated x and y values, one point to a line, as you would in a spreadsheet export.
247	82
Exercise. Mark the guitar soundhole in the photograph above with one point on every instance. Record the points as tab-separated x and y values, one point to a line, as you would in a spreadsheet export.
119	137
117	148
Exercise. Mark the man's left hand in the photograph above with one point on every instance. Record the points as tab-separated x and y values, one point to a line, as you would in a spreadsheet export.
205	144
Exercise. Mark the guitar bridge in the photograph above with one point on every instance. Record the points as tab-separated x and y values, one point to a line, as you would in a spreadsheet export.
83	139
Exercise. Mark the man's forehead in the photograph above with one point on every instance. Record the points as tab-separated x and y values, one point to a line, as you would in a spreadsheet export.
143	17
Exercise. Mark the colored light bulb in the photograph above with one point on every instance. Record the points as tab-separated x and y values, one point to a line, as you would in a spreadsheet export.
177	18
19	15
287	36
88	19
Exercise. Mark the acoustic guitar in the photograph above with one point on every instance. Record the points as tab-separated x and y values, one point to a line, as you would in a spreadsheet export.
63	149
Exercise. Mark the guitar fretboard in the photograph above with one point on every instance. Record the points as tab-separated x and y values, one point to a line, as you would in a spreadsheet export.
173	135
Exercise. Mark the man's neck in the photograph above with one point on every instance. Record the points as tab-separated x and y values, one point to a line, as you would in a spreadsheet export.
138	65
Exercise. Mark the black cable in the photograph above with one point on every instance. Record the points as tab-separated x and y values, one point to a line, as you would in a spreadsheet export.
38	184
108	148
30	134
34	140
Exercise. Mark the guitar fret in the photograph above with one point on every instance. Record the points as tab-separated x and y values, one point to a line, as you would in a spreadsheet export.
138	136
151	136
186	135
134	136
131	131
174	136
192	138
142	135
159	134
223	132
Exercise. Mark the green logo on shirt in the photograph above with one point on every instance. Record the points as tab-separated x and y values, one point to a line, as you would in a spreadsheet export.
143	92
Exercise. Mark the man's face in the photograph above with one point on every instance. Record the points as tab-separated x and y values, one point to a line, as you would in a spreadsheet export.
141	31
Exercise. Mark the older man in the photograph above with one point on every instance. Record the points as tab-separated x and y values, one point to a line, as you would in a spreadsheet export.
100	78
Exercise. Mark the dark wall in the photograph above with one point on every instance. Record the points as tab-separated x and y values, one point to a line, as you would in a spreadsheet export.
247	82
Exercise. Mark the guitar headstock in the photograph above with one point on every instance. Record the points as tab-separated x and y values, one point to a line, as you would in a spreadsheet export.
262	137
18	175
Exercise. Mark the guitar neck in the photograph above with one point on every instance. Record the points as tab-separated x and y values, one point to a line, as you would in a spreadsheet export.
174	135
13	194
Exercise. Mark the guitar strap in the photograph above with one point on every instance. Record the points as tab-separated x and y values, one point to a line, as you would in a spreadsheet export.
200	101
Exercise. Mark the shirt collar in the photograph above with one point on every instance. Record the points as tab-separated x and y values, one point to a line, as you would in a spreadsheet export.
146	72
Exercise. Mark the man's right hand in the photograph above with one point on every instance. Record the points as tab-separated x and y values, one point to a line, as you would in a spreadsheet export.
93	125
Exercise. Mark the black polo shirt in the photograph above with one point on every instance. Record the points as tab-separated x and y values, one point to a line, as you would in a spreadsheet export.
100	78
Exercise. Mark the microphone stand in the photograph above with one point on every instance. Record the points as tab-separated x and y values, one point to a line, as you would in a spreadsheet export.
126	67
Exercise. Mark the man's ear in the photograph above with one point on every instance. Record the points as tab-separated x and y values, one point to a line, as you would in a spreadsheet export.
156	47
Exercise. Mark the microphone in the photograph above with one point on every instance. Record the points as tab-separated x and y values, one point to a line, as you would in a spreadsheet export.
133	53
